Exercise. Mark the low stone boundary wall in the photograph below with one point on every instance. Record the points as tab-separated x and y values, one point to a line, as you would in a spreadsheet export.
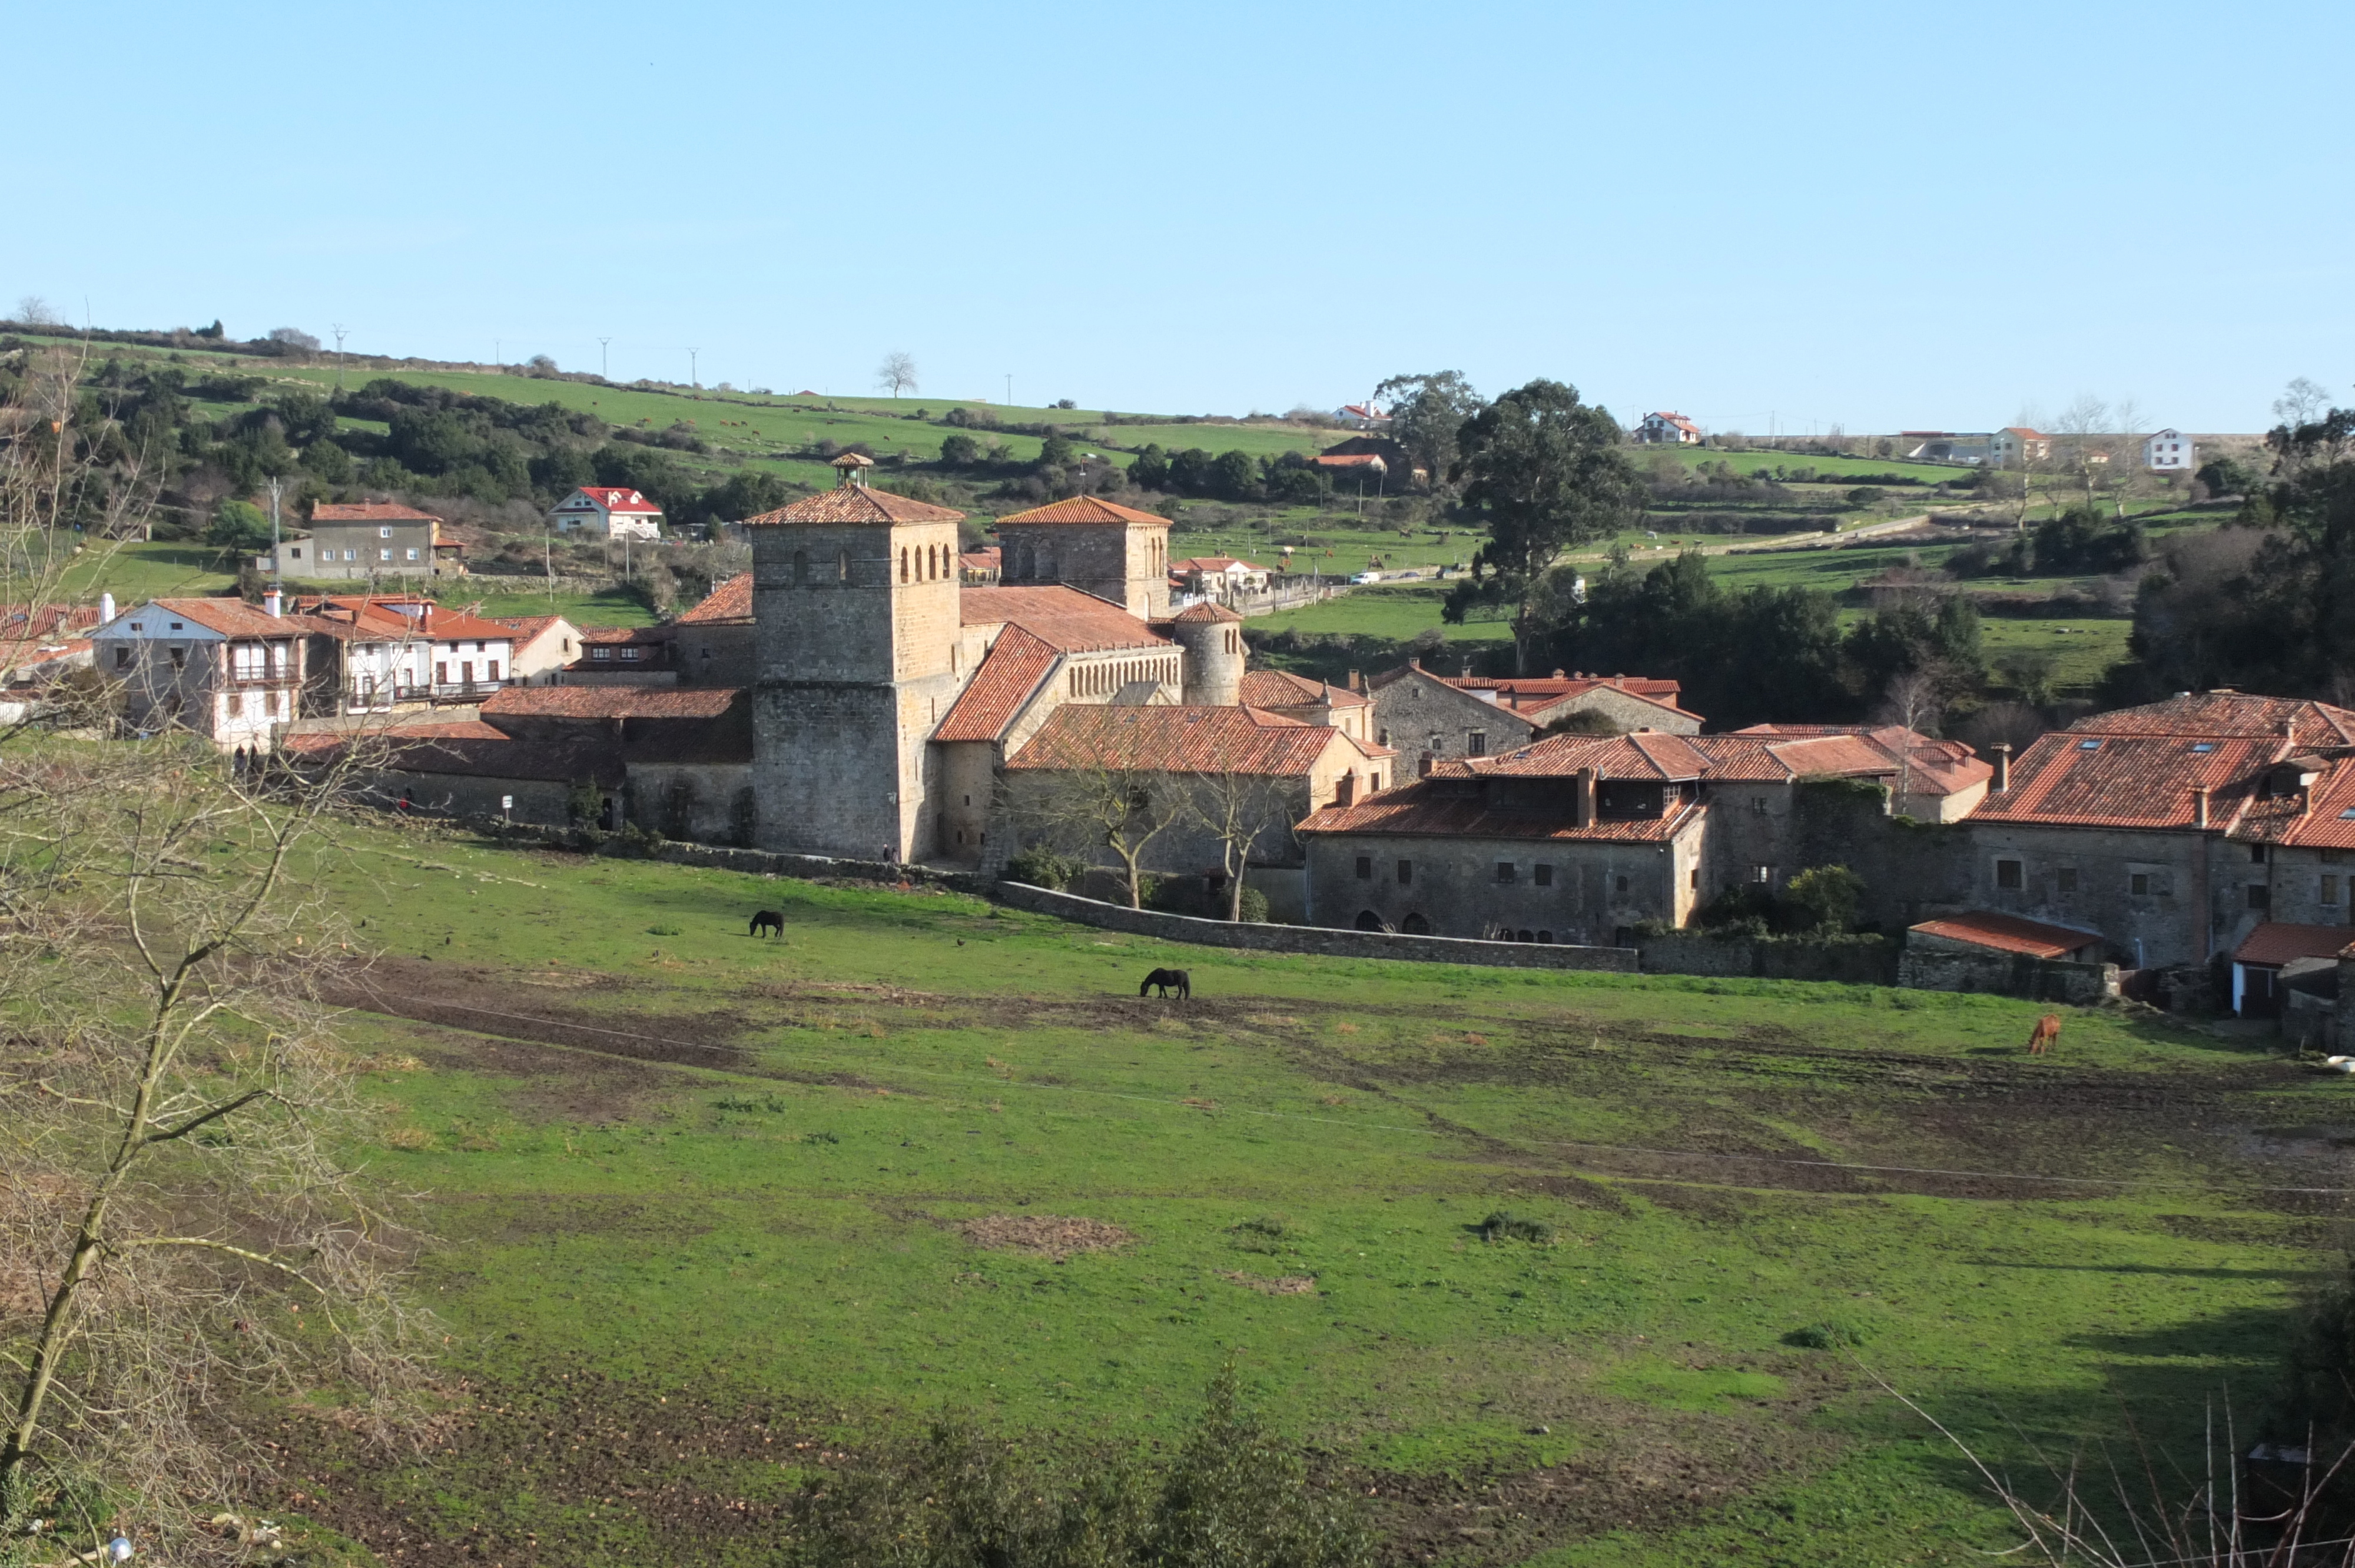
2009	974
1870	962
1321	940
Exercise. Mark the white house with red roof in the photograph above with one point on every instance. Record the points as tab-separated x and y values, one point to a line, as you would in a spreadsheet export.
218	668
1667	429
606	512
2170	451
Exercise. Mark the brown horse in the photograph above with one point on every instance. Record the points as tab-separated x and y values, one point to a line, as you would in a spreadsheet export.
2047	1031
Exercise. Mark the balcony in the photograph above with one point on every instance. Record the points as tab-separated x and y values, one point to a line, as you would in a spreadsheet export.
446	691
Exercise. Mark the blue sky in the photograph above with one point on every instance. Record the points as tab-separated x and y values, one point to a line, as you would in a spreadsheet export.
1881	217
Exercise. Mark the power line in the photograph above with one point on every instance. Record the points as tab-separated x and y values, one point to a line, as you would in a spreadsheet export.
2125	1181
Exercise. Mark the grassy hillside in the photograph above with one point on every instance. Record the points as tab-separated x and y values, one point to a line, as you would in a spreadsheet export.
719	1214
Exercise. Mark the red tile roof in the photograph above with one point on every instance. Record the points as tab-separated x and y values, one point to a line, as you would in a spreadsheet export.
1082	509
1063	617
854	504
1017	664
615	498
2221	715
1282	689
1213	564
611	636
558	761
369	512
230	617
1206	610
612	702
1654	756
1349	459
2323	817
47	619
2127	780
2277	942
731	601
1178	740
1548	687
2010	933
1429	807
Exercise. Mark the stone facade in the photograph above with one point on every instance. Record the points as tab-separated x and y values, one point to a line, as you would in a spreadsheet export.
1116	553
1423	718
1469	886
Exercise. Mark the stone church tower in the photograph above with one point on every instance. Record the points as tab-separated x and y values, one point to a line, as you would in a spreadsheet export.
1113	552
855	618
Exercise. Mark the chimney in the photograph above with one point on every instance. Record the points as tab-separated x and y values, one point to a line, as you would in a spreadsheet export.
1358	682
273	604
1414	663
2199	806
2002	782
1344	790
1581	798
105	607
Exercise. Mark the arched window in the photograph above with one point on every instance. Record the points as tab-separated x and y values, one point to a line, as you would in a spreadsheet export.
1524	937
1029	566
1368	921
1545	936
903	563
800	567
1415	925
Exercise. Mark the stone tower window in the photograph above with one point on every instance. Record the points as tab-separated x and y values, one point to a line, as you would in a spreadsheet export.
903	563
800	567
842	566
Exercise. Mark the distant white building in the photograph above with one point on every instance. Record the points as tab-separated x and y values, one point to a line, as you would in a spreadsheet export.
605	512
1972	447
1667	429
2169	451
2017	446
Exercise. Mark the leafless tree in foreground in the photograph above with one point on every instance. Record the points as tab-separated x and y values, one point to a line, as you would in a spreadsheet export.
2107	1514
897	374
180	1227
1101	791
1240	809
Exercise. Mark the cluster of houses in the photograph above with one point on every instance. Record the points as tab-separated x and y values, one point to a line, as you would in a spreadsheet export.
870	691
2017	446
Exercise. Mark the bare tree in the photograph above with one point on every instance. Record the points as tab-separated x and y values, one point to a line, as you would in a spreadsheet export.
177	1225
35	310
1240	809
1094	786
294	338
897	374
1915	701
2301	403
2083	430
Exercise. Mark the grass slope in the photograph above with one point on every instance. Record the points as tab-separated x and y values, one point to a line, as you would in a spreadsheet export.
703	1197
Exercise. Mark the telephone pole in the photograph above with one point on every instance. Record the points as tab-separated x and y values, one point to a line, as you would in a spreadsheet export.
601	357
692	379
1009	388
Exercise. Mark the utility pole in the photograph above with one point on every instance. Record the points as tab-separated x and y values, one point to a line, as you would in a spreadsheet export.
602	373
339	329
1009	388
498	351
692	379
275	482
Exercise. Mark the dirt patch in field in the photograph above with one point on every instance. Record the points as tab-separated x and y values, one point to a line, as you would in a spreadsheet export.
1290	1284
1043	1236
558	1086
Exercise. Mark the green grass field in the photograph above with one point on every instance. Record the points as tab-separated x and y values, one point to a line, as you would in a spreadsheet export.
613	607
708	1209
134	571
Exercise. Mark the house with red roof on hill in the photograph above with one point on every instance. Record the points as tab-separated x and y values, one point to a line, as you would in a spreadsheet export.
364	540
1667	429
606	512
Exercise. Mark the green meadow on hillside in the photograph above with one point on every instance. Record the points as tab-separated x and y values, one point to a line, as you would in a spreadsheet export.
715	1211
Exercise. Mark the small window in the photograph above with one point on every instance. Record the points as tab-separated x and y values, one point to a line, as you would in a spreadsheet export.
123	658
1621	883
1763	875
384	554
2260	895
2089	746
1504	870
2066	879
1543	875
1545	936
180	658
1406	872
1365	868
1694	882
297	552
412	555
2138	884
1757	805
1476	743
600	652
2203	746
2256	854
2330	891
1385	738
2008	874
633	654
384	533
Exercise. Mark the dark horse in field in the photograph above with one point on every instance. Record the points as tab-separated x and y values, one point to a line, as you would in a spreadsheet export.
768	920
1168	981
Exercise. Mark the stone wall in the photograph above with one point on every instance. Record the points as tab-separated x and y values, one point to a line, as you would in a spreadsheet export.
1422	715
1577	890
1869	961
1314	939
2008	974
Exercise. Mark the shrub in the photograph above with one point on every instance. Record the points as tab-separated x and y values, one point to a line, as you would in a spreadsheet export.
1836	1334
1824	897
1042	867
1504	1225
237	525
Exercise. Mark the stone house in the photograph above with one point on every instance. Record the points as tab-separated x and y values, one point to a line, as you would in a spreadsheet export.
2175	828
1116	553
1576	838
364	540
712	643
1427	716
1310	702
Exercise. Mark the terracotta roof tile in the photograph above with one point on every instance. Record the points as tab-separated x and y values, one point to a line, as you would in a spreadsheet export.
1082	509
2234	716
230	617
731	601
619	498
854	504
2323	817
1282	688
1434	810
1178	739
369	512
2127	780
2277	942
2010	933
1654	755
1063	617
1206	610
1016	665
612	702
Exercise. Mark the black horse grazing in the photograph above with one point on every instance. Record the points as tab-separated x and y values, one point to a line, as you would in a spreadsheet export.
1168	981
768	920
